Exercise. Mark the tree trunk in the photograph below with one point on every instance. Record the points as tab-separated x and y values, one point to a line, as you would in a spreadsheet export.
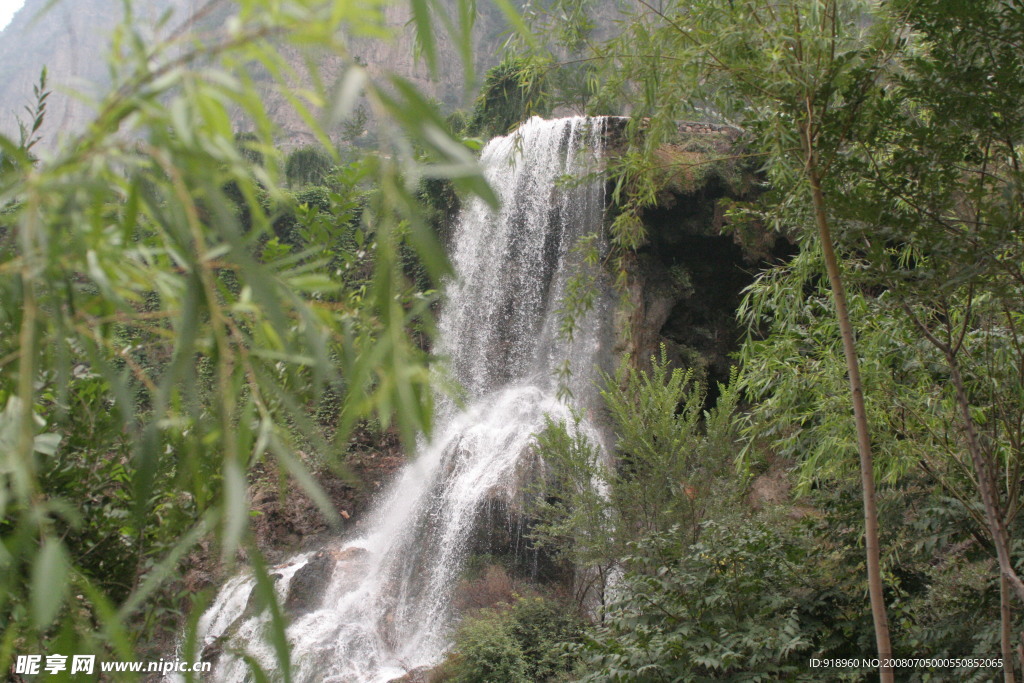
1005	626
867	475
986	479
985	475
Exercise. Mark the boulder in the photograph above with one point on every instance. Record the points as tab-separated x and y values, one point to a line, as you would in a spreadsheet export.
420	674
306	590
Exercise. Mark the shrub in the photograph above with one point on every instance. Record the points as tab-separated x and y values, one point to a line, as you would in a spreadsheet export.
518	644
488	651
672	465
308	166
724	609
540	627
512	92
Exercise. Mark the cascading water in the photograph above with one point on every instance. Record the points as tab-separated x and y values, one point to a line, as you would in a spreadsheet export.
386	608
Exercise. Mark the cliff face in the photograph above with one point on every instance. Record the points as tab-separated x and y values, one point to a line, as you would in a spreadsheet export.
686	282
396	56
73	37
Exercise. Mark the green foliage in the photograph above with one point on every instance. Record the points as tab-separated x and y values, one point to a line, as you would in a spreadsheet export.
570	508
759	593
669	470
29	133
722	610
903	121
793	371
960	602
308	166
14	157
488	652
666	463
158	339
515	643
249	146
512	92
582	288
441	204
928	214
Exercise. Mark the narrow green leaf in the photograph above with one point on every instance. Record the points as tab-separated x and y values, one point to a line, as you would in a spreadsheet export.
49	582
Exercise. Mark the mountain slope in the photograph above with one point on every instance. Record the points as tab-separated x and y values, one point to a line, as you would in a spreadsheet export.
72	40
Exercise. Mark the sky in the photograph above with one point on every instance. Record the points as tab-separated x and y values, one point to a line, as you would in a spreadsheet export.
7	10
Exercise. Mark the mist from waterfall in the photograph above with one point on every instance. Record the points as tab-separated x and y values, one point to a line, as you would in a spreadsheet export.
387	605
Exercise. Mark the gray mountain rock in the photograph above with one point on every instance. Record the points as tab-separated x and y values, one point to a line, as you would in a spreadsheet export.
72	39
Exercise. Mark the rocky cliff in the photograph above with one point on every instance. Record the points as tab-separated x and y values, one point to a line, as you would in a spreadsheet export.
72	39
685	283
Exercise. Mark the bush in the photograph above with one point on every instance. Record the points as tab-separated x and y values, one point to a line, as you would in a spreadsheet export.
725	609
672	471
308	166
488	651
540	627
512	92
521	643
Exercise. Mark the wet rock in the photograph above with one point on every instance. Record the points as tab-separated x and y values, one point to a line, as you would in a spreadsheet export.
254	604
420	674
212	651
350	563
293	522
347	555
307	587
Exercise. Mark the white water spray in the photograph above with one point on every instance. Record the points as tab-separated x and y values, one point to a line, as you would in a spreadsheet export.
387	605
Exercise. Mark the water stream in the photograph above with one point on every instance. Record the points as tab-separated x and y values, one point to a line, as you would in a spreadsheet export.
386	607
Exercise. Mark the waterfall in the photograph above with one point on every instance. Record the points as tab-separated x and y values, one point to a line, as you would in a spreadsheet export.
386	607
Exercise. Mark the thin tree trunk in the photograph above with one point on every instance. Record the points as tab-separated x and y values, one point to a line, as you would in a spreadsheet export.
1005	626
983	472
986	480
867	475
1020	650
